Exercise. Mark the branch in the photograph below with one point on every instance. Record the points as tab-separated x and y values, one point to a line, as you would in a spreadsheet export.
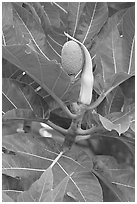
57	128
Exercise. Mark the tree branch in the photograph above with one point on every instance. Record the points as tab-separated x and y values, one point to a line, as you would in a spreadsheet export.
57	128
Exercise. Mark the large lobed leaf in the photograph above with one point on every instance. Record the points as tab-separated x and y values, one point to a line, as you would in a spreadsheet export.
115	50
30	156
39	26
21	46
10	72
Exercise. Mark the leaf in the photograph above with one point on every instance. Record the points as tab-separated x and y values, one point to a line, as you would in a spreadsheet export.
120	5
34	154
7	15
86	19
112	57
113	102
11	71
52	13
17	95
84	188
119	121
121	176
39	188
128	89
109	125
36	27
75	10
12	194
45	13
132	125
128	31
59	191
48	196
6	198
21	114
47	73
126	185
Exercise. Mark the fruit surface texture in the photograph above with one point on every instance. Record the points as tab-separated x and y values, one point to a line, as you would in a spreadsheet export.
72	57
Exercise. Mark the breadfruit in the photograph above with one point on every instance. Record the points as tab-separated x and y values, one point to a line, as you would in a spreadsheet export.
72	58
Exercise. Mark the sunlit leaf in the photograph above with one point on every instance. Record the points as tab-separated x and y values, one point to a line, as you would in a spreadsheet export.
109	125
119	121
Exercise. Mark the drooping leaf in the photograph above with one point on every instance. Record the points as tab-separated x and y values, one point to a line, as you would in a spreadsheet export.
109	125
119	121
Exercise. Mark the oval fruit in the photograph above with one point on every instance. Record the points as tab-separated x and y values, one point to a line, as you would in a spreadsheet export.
72	57
87	78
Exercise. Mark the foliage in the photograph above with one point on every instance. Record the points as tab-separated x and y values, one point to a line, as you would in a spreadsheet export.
55	149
